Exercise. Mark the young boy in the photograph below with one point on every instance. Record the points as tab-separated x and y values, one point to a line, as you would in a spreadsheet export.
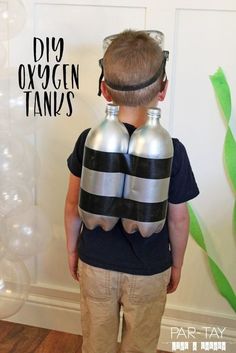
115	268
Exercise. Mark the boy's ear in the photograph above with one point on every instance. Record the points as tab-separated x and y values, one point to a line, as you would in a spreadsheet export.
161	95
105	92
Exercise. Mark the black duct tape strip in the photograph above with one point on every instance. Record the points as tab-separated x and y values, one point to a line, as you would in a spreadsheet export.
148	168
122	208
111	162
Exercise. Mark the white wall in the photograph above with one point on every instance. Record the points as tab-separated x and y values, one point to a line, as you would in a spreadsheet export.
201	37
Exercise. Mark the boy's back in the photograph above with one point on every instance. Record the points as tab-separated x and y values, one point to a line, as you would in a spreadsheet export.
115	267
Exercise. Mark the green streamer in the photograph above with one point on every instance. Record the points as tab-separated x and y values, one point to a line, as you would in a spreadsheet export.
230	158
220	279
222	91
223	96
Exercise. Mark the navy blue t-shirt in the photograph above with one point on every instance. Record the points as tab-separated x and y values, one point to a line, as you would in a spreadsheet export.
131	253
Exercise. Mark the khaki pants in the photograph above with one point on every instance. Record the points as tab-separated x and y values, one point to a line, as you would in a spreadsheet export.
102	292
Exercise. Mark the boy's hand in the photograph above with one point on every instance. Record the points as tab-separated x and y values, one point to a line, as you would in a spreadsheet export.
73	264
174	279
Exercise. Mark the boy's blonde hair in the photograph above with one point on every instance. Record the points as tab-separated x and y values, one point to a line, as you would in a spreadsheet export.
132	58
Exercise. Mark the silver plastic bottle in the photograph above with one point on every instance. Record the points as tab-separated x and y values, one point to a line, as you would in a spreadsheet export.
102	181
147	186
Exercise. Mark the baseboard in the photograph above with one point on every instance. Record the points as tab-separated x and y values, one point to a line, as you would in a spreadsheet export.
58	309
51	307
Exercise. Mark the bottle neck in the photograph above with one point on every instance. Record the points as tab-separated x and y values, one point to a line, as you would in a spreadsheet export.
154	115
153	120
112	116
112	111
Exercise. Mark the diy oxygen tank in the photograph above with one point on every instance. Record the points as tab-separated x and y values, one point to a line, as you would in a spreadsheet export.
146	186
102	179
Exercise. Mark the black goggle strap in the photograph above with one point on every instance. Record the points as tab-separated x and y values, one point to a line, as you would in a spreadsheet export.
140	85
100	78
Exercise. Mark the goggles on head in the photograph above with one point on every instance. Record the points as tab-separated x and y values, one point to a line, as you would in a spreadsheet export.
159	38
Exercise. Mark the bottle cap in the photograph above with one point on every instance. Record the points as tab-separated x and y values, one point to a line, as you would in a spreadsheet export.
112	108
154	112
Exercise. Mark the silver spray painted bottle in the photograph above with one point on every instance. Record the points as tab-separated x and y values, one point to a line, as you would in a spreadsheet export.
151	152
102	180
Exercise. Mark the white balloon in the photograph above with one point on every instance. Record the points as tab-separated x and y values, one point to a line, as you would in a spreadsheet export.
5	125
28	233
15	197
13	105
14	285
3	55
12	18
12	152
2	247
27	171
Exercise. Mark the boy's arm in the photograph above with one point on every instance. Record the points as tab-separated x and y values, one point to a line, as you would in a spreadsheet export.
178	223
72	224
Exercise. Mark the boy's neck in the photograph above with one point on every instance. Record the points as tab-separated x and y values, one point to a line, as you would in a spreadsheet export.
133	115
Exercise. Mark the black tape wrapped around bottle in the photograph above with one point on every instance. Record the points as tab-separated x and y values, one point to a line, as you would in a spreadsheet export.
132	186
